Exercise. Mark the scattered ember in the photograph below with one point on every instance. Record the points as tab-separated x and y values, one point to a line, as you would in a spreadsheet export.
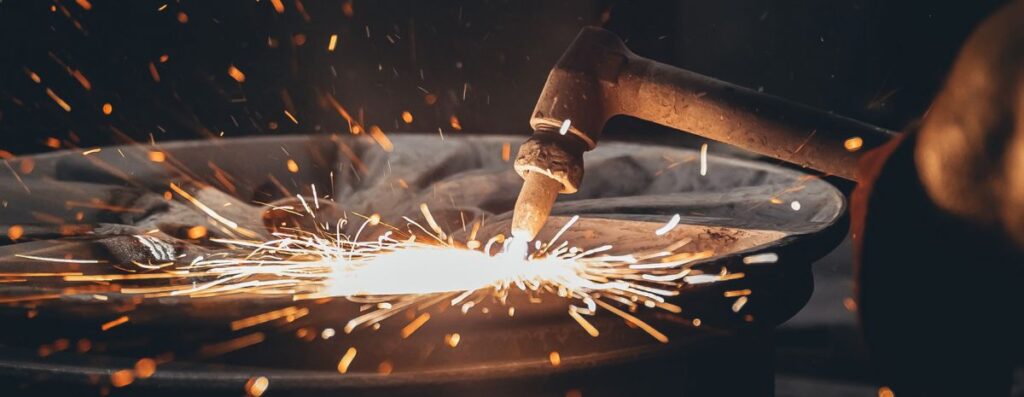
145	368
333	43
108	109
407	117
196	232
60	102
555	359
122	378
506	151
455	123
157	156
293	167
853	144
672	223
256	386
278	6
703	159
52	143
415	325
111	324
452	339
236	74
385	368
346	360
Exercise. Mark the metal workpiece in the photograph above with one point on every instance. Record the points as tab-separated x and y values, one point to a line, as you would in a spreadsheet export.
599	78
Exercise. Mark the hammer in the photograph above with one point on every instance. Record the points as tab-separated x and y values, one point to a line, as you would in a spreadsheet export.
598	78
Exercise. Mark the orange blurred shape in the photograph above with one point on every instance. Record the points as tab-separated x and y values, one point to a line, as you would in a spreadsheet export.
145	368
122	378
278	6
385	368
346	8
15	232
157	156
256	386
196	232
236	74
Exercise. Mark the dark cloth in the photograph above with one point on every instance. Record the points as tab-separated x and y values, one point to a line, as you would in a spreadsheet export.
938	296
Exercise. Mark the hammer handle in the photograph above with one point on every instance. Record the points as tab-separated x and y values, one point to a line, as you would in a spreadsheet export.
742	117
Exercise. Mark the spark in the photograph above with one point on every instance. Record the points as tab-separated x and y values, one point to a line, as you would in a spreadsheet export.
113	323
565	127
332	43
60	102
256	386
703	159
853	144
672	223
768	257
236	74
415	325
346	360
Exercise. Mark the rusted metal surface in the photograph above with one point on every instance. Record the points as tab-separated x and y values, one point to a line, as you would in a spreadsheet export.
599	78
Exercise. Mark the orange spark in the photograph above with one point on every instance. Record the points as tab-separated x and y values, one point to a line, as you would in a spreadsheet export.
145	368
452	339
378	135
278	6
153	72
291	117
236	74
113	323
108	109
346	360
231	345
332	43
60	102
346	8
53	143
290	311
85	4
555	359
15	232
196	232
455	123
385	368
415	325
157	156
407	117
82	80
256	386
182	17
293	167
853	144
122	378
506	151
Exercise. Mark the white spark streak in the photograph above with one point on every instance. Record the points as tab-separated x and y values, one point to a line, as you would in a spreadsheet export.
672	223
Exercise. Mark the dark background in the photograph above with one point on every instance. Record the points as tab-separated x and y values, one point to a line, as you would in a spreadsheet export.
483	61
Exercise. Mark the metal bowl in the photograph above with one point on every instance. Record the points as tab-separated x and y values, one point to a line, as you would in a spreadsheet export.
764	221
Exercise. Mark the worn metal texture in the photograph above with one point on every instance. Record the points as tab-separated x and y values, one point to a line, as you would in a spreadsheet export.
739	209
